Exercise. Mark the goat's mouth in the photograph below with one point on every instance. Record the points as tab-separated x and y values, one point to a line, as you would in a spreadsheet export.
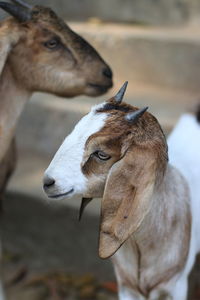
98	89
61	196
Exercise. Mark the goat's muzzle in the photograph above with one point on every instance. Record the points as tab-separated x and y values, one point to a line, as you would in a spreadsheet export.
48	182
51	189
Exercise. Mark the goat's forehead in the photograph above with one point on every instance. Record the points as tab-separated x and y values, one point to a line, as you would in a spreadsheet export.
90	124
47	15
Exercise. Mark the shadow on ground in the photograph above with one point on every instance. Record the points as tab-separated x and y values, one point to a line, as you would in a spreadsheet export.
44	243
48	254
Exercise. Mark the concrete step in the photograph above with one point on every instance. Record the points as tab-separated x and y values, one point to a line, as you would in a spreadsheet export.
168	57
47	119
141	11
165	56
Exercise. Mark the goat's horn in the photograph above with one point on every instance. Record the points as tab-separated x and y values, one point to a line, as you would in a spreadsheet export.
84	203
119	97
23	4
19	13
134	116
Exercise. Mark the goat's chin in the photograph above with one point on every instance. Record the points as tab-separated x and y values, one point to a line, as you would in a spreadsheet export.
61	195
94	90
90	89
68	94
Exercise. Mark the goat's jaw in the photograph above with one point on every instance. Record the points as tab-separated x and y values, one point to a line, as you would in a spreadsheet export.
62	195
64	185
97	89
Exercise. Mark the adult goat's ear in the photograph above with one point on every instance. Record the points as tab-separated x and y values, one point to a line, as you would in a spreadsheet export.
10	34
126	198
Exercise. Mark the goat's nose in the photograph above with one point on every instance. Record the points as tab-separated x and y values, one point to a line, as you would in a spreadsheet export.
107	72
48	182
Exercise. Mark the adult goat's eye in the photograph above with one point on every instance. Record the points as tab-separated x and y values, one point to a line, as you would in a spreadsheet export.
53	44
101	155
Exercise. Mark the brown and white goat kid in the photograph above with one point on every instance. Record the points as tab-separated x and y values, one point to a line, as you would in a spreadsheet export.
39	52
119	153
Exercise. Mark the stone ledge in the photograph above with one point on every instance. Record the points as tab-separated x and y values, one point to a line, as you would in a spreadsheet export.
47	119
131	11
168	57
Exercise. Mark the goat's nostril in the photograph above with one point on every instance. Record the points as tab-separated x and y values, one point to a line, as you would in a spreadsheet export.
107	72
48	182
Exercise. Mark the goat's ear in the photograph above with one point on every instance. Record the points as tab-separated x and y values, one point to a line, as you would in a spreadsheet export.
9	36
126	198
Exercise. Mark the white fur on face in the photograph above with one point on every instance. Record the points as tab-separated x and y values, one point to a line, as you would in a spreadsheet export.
65	167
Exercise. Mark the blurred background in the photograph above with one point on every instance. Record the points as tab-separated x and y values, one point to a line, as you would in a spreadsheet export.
155	45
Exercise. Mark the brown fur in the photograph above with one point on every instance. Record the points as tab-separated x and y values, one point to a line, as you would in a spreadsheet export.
156	267
28	65
117	136
74	68
7	166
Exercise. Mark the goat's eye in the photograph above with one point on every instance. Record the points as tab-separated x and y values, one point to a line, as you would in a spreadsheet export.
52	44
101	155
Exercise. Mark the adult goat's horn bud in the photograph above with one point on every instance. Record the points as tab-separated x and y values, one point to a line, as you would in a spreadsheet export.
119	97
23	4
134	116
18	12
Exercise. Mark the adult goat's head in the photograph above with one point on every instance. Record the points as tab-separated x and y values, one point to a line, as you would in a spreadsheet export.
46	55
117	152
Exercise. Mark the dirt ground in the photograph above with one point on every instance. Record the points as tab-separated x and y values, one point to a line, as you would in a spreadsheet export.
21	284
48	255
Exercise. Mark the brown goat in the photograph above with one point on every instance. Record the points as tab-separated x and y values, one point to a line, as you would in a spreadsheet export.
39	52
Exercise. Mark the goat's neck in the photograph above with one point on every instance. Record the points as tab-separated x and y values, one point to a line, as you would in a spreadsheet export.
169	209
160	246
12	100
